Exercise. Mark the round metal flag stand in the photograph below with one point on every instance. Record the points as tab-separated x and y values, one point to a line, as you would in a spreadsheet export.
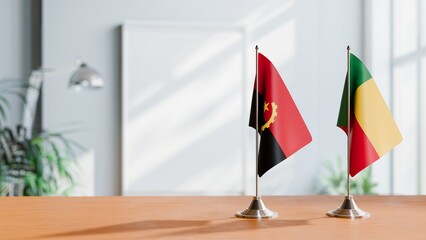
257	208
348	209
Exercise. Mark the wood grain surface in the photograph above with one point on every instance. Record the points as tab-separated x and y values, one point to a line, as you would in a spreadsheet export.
300	217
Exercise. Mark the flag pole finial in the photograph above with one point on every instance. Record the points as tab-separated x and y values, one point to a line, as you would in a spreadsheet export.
348	48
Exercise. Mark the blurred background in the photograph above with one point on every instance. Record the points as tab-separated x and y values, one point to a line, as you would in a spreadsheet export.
172	115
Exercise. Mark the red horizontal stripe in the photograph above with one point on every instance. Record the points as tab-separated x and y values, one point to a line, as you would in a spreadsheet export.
362	151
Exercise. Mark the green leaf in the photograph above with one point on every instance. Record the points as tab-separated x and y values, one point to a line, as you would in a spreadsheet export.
2	113
30	182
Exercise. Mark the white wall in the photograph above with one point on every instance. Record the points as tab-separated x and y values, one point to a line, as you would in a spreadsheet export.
15	47
395	51
305	39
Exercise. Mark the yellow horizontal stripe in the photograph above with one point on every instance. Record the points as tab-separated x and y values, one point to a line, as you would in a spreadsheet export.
375	118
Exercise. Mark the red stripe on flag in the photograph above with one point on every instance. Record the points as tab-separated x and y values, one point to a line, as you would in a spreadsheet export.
362	151
344	128
289	128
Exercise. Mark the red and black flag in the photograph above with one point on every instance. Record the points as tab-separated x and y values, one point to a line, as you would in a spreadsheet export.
281	127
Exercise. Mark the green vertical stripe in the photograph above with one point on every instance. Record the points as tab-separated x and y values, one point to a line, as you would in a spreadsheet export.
359	75
359	72
342	120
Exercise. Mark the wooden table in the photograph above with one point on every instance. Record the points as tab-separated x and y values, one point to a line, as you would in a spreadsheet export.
301	217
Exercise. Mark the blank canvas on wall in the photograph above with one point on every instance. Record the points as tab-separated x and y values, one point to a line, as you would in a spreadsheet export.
183	109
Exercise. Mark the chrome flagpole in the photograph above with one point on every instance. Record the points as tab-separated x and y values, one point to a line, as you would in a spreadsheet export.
257	208
348	209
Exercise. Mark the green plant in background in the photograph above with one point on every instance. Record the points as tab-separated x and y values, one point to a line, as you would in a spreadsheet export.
37	165
334	180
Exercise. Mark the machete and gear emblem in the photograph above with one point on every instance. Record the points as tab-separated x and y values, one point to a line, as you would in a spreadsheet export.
273	115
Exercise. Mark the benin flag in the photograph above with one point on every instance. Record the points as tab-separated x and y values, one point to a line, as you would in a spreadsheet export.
281	127
373	131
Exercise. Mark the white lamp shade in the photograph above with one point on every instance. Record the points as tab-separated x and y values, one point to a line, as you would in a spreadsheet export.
86	77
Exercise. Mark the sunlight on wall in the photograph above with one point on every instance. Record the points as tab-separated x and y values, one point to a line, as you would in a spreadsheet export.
204	52
422	23
406	117
280	44
406	25
185	134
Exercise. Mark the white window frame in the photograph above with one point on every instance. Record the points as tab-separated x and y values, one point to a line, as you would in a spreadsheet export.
379	55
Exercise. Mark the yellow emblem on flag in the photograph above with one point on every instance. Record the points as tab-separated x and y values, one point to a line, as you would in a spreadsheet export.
273	115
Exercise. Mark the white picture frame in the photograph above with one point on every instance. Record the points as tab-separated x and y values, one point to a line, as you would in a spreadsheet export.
184	108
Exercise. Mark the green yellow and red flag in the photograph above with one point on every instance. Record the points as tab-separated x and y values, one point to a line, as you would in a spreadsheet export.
373	132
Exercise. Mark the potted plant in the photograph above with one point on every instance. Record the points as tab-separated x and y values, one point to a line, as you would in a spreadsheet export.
32	166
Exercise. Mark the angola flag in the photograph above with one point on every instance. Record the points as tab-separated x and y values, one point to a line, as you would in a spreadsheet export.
281	127
373	131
